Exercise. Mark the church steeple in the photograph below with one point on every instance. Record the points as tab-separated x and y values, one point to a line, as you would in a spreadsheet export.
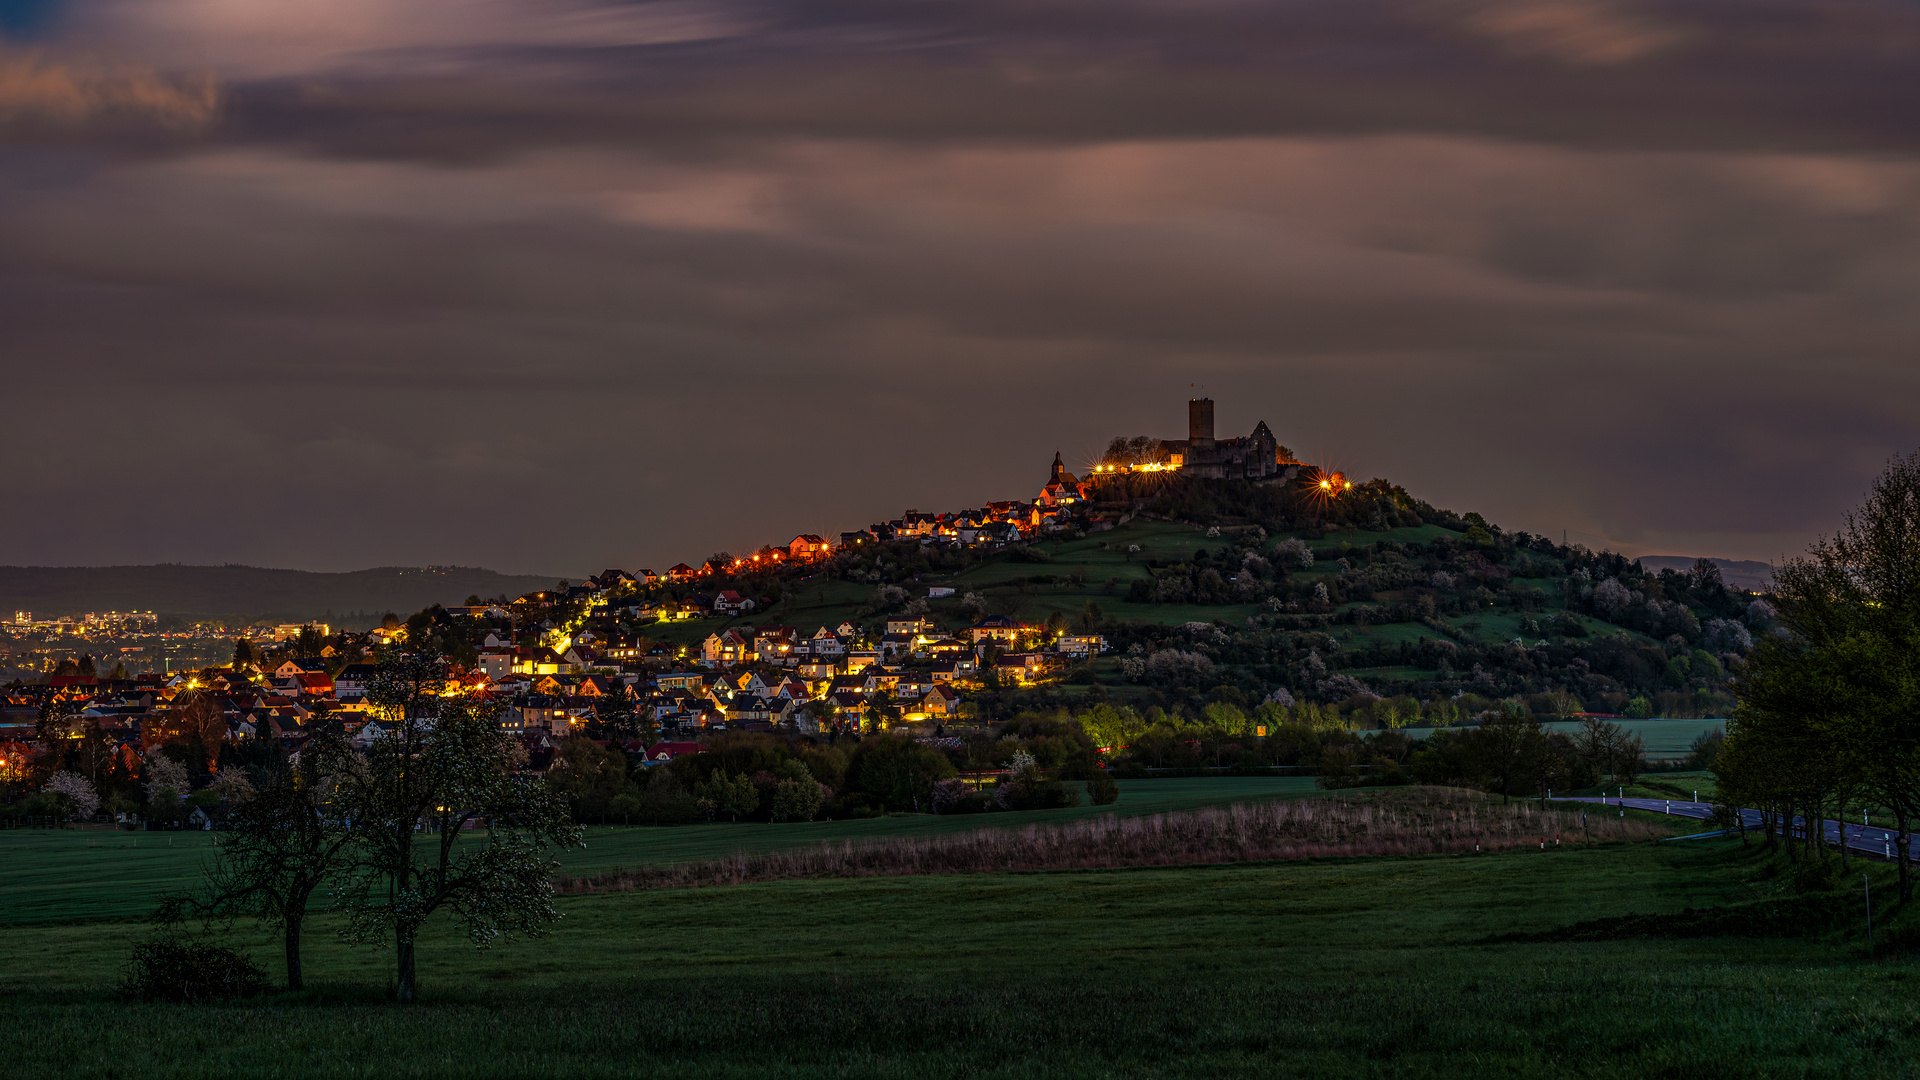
1058	465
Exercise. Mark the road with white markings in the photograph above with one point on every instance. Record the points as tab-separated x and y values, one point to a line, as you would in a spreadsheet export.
1872	840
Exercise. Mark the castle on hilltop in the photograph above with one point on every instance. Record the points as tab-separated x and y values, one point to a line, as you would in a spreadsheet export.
1249	457
1257	456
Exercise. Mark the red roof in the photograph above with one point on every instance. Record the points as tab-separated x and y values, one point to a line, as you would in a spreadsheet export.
667	751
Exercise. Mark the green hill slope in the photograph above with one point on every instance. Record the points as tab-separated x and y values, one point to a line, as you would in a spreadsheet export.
1369	605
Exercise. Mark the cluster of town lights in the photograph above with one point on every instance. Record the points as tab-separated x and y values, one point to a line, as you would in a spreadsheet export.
1150	466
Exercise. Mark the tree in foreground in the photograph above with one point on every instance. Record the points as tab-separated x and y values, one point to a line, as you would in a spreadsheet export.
1830	706
444	765
285	842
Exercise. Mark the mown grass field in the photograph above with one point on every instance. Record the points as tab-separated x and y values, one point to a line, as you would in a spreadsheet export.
1333	968
87	874
1663	738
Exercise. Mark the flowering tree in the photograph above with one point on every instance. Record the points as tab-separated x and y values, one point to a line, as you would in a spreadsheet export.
78	792
166	779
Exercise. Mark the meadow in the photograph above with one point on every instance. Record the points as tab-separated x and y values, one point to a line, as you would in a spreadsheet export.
1664	739
1438	965
74	874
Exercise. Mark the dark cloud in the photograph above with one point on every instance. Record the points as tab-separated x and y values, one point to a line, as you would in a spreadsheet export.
547	287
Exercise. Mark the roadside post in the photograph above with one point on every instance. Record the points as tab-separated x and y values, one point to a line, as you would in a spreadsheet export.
1866	887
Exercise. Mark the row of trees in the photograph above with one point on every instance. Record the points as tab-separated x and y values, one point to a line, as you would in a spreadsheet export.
435	815
1829	713
765	777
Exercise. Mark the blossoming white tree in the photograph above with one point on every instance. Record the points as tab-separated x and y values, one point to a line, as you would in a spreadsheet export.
79	793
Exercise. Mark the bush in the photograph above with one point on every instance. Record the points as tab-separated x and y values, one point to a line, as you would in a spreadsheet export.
1101	788
950	796
190	971
854	804
1811	876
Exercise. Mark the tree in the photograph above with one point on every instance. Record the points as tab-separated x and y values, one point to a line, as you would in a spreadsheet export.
589	777
78	792
242	653
797	796
284	843
1609	748
725	793
1843	680
1510	752
897	772
1090	617
1112	729
442	765
166	783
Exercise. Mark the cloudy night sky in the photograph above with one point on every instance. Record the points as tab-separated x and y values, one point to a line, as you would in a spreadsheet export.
546	285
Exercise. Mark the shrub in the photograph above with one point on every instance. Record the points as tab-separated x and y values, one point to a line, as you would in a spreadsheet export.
1101	788
1027	788
1811	876
190	971
950	796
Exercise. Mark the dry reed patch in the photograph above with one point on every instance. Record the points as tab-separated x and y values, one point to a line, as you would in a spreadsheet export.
1407	821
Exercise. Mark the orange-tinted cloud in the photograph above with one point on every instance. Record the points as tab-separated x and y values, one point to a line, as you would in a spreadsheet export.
39	91
1583	33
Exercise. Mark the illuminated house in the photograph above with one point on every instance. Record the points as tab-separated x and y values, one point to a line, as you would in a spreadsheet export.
1080	645
807	547
730	602
1000	628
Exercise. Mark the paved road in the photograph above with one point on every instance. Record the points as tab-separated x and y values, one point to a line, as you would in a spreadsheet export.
1871	840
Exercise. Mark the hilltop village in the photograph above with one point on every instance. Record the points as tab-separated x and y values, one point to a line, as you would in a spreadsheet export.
592	656
1207	590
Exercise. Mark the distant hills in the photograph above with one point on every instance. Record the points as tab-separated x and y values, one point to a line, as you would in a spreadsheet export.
1739	573
355	599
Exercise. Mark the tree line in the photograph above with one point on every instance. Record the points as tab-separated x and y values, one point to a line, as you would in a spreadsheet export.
1829	712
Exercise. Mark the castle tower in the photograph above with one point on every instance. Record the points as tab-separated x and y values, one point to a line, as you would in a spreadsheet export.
1200	423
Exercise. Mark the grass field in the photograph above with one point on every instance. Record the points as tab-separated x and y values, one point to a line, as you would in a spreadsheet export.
1663	738
74	874
1334	968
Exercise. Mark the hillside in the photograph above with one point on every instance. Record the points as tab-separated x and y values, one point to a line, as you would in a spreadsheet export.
1372	603
251	592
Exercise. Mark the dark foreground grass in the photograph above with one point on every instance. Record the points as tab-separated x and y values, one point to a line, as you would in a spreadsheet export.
1334	968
